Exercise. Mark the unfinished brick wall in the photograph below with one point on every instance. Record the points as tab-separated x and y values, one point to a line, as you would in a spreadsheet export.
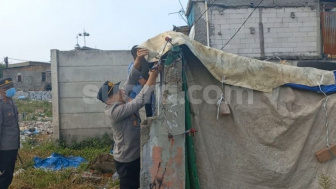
287	32
283	35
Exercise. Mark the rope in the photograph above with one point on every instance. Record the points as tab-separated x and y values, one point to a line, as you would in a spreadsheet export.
326	98
218	104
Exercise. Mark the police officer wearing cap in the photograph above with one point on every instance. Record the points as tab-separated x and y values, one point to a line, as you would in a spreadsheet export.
9	132
123	112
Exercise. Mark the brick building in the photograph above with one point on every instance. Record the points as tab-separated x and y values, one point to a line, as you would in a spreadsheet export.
30	76
290	29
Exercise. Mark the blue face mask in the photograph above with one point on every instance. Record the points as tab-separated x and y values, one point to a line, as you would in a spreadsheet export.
10	92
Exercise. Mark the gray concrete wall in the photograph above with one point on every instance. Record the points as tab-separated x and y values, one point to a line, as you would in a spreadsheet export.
265	3
31	77
281	35
76	79
34	95
200	25
163	157
275	32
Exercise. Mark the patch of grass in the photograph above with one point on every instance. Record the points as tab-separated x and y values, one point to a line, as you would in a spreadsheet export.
92	143
30	106
43	148
34	109
38	178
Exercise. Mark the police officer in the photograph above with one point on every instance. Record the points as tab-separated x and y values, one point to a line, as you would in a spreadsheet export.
9	132
123	112
149	107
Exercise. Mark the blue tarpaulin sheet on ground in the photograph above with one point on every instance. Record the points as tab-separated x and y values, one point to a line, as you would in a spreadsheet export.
21	97
327	89
56	162
30	132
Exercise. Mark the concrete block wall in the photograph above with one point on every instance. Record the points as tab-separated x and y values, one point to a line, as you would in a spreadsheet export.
31	77
163	157
282	35
76	79
34	95
265	3
226	23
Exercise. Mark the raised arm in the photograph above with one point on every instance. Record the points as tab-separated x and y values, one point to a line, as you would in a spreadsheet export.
135	73
125	110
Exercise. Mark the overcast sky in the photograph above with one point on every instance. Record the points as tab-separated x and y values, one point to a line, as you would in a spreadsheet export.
30	28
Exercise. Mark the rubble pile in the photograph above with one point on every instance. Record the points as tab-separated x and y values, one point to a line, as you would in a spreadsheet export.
29	128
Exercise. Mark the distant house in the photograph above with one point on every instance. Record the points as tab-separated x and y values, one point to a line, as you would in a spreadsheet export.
290	29
30	76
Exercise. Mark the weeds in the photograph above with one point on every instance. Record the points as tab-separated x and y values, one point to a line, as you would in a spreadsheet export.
92	143
33	110
325	182
28	177
42	147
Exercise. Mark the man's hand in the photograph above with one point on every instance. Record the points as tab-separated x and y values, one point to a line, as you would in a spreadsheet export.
152	77
142	81
153	74
141	53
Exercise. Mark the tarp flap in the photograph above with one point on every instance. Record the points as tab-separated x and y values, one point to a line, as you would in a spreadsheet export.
56	162
268	141
237	70
327	89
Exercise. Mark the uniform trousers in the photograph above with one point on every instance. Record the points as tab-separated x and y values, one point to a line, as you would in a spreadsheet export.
7	165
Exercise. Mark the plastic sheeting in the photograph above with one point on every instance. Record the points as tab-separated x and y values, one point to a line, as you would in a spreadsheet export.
327	89
237	70
56	162
192	180
33	131
269	141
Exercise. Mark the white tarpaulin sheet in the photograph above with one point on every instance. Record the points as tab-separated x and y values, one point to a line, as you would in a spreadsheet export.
237	70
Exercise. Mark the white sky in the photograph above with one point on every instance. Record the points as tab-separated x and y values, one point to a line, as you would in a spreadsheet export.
30	28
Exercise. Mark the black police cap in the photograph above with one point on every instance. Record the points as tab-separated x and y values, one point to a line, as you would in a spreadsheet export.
6	82
106	90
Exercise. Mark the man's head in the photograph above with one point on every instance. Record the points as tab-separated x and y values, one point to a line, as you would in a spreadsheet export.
134	51
7	87
108	90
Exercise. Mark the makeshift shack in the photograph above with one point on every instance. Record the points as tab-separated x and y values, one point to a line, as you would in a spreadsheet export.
268	140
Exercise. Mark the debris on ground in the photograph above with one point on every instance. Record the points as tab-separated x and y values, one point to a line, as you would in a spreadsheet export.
103	163
35	127
18	172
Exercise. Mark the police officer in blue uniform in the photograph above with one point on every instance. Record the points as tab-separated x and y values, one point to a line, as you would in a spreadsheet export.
9	132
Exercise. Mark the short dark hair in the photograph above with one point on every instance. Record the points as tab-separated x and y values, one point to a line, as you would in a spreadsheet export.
134	51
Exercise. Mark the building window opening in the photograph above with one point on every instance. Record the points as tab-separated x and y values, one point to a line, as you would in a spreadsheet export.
48	87
19	78
43	76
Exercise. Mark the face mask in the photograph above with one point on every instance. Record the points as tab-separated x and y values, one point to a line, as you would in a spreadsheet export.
10	92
